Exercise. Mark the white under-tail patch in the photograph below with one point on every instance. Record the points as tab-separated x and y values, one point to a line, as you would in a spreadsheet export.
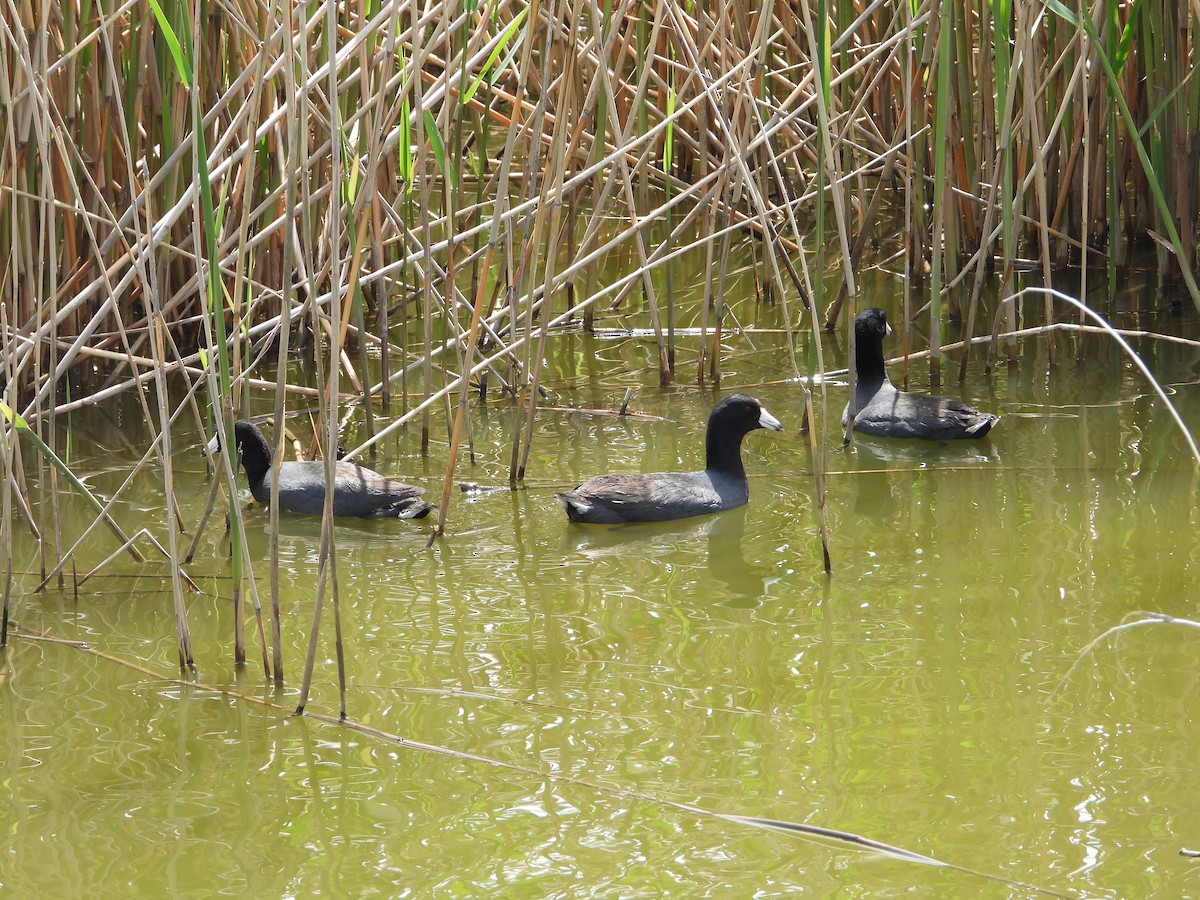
985	422
578	506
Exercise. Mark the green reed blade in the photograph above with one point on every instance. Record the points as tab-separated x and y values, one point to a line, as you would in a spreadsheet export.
487	68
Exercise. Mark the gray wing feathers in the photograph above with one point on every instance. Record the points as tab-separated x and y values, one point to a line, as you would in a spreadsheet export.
649	498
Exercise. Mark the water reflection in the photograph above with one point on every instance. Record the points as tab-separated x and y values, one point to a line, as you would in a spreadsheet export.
887	453
300	538
885	471
709	658
720	535
872	495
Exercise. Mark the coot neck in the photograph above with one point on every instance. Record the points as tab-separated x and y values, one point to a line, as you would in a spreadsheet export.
723	453
255	452
868	360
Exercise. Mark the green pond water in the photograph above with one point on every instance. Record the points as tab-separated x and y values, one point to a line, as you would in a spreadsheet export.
923	695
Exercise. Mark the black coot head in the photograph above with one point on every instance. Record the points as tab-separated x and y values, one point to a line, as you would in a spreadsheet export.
872	323
252	448
739	413
249	439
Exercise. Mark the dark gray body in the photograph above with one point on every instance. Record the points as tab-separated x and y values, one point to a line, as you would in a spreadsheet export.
613	499
884	411
663	496
357	491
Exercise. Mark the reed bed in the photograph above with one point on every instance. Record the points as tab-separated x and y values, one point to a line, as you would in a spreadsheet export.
189	191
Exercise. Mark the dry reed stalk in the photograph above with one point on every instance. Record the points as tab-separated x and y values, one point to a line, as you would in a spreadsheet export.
939	243
1033	124
1119	339
632	206
372	28
292	164
560	154
518	271
327	566
909	264
8	454
707	303
183	634
982	255
532	236
148	275
439	276
840	216
462	415
1085	119
751	120
423	191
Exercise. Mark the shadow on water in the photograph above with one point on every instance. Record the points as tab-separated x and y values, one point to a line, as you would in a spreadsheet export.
721	535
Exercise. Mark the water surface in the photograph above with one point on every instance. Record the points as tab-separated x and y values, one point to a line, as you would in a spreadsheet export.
923	695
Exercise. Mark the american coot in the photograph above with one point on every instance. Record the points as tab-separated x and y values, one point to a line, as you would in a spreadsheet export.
613	499
884	411
356	492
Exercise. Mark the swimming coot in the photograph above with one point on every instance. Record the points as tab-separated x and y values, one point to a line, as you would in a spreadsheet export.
356	491
614	499
884	411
